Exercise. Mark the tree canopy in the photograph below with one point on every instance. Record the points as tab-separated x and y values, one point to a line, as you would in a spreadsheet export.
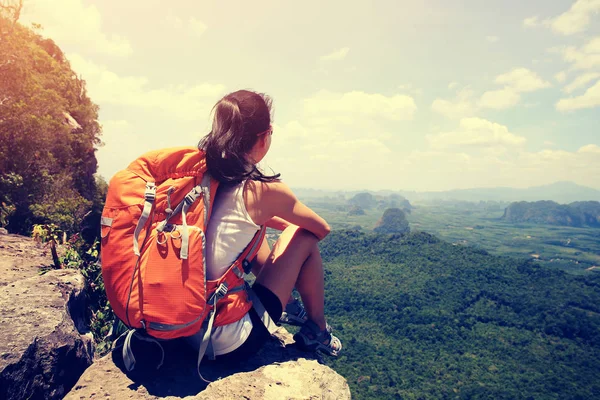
48	133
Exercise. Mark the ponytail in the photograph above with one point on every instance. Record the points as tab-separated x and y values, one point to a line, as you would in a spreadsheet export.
238	119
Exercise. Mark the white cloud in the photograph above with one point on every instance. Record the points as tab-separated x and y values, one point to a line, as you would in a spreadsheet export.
590	99
301	150
489	167
531	22
71	23
346	107
560	76
452	85
476	132
492	39
477	153
593	46
586	57
196	26
516	81
408	87
581	81
189	102
119	138
522	80
461	106
336	55
191	26
590	148
577	18
499	99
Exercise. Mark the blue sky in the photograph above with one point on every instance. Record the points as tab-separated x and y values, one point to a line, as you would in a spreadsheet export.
428	95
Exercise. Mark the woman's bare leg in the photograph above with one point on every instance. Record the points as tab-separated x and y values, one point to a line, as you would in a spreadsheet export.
259	261
295	261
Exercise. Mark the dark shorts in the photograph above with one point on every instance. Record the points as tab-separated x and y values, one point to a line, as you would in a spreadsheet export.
259	333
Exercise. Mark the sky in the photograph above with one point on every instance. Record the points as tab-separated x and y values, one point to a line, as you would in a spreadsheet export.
397	95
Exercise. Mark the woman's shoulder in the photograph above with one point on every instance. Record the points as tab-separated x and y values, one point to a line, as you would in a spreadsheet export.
263	199
265	190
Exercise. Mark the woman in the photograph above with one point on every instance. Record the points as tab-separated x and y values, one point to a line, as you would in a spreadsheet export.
247	199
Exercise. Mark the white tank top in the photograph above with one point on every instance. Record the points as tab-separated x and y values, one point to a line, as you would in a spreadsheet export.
230	229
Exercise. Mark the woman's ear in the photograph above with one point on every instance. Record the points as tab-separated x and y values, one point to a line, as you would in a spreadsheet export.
264	141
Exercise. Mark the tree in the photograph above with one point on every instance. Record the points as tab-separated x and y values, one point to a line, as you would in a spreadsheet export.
48	132
11	10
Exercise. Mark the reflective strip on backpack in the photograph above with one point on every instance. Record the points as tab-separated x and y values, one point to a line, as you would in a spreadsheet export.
157	326
205	187
189	199
149	197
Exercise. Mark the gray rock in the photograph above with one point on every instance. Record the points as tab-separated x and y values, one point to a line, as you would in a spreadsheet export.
278	371
42	354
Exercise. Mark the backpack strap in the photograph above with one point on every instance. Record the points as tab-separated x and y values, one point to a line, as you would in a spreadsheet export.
183	207
260	309
127	353
149	196
242	263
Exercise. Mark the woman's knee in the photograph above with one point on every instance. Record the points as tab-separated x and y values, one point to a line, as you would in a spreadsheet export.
294	240
297	233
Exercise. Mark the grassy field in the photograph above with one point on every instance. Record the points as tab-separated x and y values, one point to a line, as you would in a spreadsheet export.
576	250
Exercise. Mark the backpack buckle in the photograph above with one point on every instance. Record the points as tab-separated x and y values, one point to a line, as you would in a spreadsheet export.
247	266
150	193
219	293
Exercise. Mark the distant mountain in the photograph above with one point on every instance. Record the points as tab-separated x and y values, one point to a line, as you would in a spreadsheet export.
560	192
579	214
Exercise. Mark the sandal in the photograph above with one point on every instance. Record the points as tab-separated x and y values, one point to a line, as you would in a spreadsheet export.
311	338
294	314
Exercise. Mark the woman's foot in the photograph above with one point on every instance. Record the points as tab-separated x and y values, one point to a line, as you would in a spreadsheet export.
311	338
294	314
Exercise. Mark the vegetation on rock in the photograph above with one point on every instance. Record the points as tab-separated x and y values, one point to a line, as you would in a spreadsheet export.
48	133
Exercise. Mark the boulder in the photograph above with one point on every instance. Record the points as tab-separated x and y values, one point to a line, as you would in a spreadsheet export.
42	353
278	371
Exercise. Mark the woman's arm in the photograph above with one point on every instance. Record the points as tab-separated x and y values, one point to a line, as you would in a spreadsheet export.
275	199
282	202
277	223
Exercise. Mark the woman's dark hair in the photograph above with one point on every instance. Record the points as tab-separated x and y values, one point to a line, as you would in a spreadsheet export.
238	119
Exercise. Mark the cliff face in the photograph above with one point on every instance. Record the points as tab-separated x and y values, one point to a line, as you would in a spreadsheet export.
279	371
43	354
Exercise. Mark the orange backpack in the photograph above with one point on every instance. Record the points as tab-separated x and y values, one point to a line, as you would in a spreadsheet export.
153	251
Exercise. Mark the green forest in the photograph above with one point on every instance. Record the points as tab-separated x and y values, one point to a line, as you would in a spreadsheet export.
420	317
